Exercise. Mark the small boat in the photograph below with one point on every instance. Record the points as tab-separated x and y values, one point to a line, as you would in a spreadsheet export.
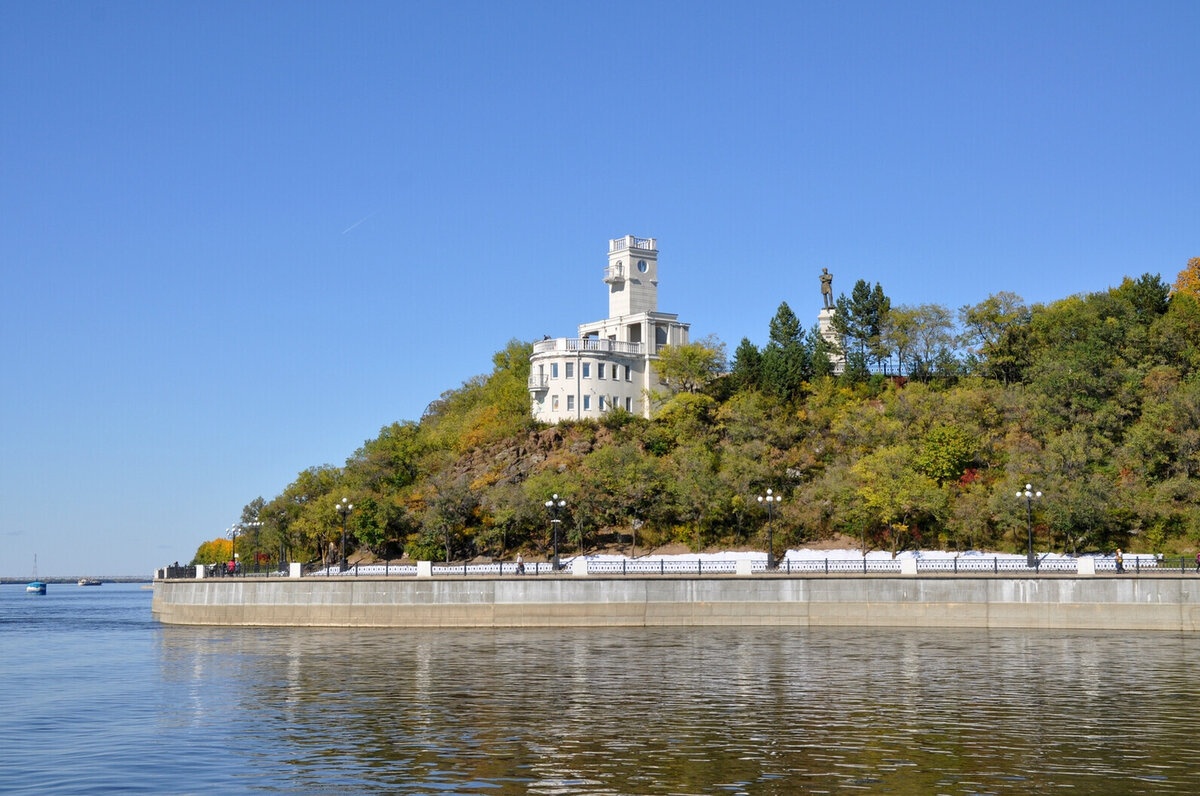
35	586
89	582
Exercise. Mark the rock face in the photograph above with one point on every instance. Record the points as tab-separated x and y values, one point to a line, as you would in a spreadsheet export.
512	461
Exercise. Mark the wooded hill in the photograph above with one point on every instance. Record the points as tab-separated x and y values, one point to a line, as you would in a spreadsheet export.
923	441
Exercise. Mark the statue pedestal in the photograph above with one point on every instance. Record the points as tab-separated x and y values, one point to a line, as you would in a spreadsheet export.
825	319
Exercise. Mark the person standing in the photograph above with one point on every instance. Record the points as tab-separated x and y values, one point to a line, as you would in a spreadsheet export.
1120	560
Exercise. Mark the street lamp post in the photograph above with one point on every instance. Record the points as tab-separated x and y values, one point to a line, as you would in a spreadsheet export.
770	499
554	504
1029	495
232	533
344	508
279	524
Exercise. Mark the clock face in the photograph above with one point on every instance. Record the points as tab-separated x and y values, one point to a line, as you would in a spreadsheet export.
642	266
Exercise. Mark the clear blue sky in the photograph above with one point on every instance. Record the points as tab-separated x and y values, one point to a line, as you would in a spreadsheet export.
237	239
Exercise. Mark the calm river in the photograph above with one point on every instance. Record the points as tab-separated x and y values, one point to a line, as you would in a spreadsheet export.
97	697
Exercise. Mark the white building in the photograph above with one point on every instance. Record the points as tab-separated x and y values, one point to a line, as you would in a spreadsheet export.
611	363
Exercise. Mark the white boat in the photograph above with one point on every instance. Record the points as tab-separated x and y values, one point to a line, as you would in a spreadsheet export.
89	582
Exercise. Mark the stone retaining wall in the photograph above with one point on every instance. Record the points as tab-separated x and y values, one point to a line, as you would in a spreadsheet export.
1159	602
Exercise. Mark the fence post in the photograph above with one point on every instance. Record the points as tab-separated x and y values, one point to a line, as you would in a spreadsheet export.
995	565
699	566
864	563
662	566
826	565
623	566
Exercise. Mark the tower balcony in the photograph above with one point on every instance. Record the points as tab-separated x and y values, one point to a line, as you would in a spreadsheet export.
632	242
614	274
539	383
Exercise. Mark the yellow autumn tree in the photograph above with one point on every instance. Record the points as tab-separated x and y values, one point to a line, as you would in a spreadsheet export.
1189	279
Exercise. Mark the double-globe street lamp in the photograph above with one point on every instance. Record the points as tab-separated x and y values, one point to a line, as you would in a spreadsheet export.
770	499
554	505
344	508
1029	495
232	533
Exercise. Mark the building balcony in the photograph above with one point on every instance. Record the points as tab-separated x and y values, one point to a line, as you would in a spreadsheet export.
614	274
632	242
571	345
538	383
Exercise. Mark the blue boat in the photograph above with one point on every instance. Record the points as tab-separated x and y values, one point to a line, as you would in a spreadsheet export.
35	586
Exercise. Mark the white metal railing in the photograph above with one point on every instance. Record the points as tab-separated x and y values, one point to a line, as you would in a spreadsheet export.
1141	564
574	344
539	382
631	242
789	565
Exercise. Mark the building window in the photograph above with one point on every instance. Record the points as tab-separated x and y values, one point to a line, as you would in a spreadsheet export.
570	370
628	404
554	370
587	402
614	372
587	370
601	403
570	402
628	373
554	403
600	371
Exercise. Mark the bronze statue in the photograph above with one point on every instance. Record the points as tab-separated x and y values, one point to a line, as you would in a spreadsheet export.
827	288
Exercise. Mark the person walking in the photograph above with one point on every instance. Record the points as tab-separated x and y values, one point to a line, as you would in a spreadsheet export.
1120	560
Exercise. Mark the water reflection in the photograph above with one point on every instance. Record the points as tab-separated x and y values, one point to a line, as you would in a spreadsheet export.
691	710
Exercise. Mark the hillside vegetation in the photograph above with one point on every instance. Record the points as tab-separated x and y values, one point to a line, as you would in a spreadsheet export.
937	420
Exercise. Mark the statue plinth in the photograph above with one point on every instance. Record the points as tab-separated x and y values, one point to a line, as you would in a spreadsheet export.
829	333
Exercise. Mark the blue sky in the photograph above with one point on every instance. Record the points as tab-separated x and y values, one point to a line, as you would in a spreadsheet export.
237	239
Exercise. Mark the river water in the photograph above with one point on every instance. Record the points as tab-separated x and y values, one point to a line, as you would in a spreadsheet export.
96	697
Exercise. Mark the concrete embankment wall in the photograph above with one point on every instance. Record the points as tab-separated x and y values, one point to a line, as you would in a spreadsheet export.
1160	602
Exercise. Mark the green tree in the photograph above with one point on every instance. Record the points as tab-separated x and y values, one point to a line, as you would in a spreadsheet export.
689	367
860	322
746	372
923	339
786	364
896	496
945	454
996	331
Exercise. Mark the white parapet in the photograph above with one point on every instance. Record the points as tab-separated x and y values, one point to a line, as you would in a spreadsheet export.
424	569
742	566
908	566
199	570
1086	565
579	566
295	569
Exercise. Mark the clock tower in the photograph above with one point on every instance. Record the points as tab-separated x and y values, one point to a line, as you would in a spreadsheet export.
632	276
